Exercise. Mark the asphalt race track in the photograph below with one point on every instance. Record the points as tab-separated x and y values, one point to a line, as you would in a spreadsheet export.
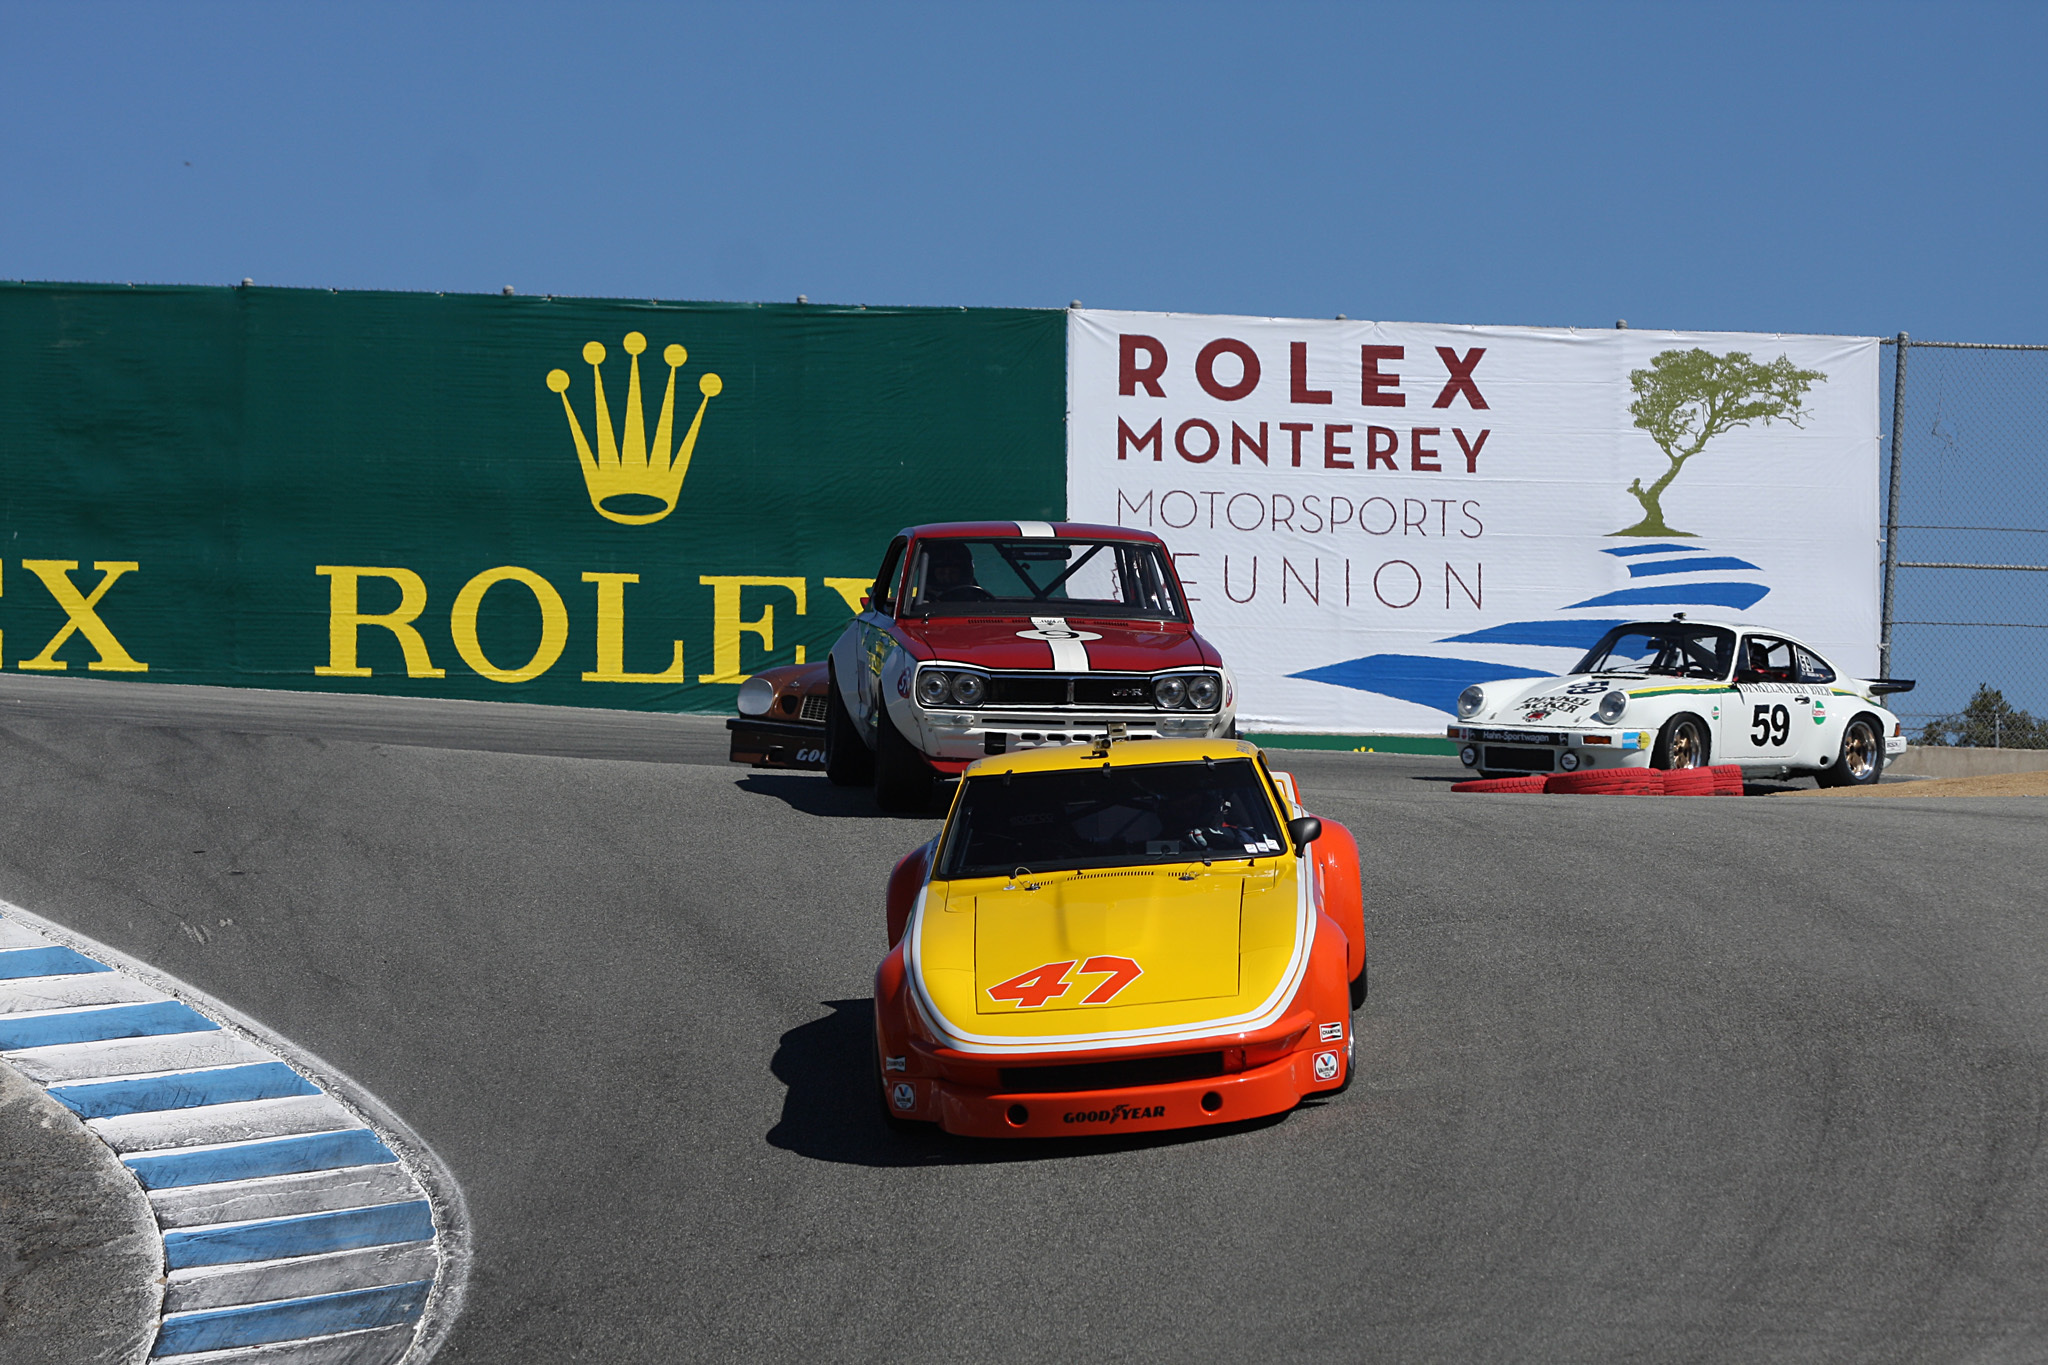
1706	1079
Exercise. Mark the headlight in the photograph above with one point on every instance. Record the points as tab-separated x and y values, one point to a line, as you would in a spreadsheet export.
969	688
1170	693
1203	690
933	687
1471	701
1611	707
756	696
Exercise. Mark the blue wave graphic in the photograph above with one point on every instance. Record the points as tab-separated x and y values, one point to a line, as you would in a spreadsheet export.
1716	563
1740	596
1555	634
1435	682
1416	677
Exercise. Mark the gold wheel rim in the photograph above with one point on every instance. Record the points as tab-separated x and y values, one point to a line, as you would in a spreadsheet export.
1685	746
1857	750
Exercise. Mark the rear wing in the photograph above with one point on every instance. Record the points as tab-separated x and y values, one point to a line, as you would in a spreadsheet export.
1889	685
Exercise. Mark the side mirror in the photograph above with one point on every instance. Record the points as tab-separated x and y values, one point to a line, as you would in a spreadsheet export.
1304	832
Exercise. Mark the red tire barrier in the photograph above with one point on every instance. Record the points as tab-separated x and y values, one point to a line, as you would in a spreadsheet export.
1607	782
1532	783
1691	782
1727	779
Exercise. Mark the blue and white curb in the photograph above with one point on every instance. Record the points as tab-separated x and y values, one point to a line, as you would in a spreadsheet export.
303	1223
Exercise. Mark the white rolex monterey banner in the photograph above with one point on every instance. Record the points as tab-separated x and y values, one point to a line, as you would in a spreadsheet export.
1371	516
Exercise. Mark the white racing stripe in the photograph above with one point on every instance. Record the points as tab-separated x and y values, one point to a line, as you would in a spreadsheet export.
1069	652
1036	530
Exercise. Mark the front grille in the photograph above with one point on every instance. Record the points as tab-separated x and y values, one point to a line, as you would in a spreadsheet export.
1011	691
1055	1080
1528	760
1135	692
814	709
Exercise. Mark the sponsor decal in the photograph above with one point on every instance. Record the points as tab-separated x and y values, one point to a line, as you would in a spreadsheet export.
1516	736
1056	629
895	1063
1116	1115
1326	1066
1332	1033
903	1095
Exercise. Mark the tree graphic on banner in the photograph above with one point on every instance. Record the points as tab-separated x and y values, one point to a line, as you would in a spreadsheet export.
1687	398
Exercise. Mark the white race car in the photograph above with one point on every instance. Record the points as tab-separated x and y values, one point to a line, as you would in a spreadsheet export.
1685	694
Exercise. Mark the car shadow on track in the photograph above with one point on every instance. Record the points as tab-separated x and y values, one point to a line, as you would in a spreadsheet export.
831	1112
815	794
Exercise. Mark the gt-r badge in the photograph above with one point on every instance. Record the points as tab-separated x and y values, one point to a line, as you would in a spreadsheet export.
1333	1033
904	1095
1326	1066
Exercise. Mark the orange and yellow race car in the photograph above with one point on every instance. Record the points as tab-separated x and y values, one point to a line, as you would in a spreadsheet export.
1119	937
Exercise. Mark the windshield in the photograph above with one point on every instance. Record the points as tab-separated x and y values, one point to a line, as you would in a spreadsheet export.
1035	577
1668	647
1098	817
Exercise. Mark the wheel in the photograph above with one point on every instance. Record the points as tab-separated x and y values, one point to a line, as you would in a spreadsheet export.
1350	1064
848	761
1358	985
1862	760
903	780
1682	743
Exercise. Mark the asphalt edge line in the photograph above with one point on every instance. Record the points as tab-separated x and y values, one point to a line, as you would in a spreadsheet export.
451	1209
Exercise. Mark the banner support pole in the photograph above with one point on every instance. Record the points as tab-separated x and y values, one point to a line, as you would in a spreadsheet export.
1891	512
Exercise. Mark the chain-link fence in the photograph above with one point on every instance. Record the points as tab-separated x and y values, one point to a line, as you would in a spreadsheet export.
1966	540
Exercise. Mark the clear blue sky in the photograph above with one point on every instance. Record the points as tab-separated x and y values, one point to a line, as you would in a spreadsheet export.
1829	168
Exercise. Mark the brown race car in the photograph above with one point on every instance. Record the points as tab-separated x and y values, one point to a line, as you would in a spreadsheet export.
781	721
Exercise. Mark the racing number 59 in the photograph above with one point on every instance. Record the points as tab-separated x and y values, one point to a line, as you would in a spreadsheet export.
1770	725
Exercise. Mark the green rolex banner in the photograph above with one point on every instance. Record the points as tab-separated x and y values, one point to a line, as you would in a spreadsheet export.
583	502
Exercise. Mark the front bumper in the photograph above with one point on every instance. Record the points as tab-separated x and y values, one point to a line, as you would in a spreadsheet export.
1270	1089
1500	748
963	736
765	743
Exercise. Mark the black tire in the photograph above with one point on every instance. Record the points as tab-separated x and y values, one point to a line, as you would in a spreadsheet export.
848	760
1350	1065
1684	742
1862	759
1358	985
904	782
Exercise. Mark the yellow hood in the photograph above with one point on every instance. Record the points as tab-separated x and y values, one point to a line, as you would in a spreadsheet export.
1116	955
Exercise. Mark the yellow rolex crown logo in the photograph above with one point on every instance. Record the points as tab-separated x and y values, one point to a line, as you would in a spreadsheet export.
630	483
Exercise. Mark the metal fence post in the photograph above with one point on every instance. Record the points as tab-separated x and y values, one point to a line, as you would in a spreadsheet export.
1891	513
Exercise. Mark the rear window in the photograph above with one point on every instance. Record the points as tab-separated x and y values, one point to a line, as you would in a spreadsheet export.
1110	816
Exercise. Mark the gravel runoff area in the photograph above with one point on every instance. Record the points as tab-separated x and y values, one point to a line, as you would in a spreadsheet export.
1737	1079
1990	784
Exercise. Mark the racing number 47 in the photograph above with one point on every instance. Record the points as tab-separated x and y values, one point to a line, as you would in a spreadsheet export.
1049	982
1770	725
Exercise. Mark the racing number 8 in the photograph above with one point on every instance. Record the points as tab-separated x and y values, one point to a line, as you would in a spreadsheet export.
1770	725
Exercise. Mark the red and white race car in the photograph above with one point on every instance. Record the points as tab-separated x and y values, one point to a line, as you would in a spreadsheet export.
982	638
